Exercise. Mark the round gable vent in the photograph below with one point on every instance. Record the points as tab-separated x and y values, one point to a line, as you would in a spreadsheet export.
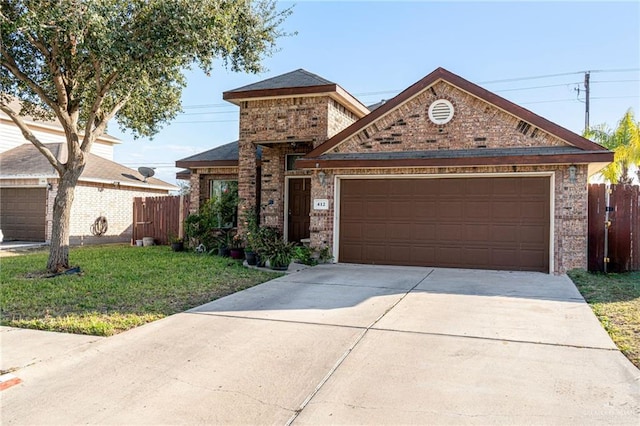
441	111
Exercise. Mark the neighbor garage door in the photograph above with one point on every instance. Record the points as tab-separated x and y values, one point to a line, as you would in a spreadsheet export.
485	223
22	213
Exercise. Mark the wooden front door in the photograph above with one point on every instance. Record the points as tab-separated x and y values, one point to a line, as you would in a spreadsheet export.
299	209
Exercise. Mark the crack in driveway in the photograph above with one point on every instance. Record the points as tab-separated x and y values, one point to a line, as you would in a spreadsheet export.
349	350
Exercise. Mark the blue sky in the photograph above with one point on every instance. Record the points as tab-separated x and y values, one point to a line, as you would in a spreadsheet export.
374	50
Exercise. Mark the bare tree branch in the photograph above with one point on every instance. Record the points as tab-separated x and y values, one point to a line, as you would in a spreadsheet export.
90	137
56	74
97	104
28	135
8	62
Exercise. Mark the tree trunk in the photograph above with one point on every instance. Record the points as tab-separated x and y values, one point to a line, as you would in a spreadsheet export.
59	250
625	176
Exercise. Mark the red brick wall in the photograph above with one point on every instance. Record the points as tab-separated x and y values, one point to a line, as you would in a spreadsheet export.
570	206
475	124
312	118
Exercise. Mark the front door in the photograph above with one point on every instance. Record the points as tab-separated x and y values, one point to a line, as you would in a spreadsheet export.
299	209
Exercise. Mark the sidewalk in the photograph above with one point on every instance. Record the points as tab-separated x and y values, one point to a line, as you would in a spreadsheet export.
15	248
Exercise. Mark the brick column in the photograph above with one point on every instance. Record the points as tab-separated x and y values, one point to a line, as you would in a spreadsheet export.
194	194
247	166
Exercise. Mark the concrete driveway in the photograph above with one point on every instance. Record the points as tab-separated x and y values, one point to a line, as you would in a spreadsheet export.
346	344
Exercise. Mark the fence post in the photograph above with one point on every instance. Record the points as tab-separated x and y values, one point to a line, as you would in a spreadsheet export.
595	221
607	225
181	218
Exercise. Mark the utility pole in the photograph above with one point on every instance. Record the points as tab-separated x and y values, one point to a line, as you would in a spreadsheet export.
586	105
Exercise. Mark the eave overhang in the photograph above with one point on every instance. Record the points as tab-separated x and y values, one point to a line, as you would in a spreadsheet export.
327	162
107	182
210	163
334	91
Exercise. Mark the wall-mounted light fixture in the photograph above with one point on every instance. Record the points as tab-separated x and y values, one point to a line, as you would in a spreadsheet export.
49	186
572	173
322	178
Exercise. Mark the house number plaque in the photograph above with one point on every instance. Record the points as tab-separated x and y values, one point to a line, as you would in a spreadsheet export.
320	204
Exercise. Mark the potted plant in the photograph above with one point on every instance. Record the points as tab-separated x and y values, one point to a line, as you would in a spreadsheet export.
177	243
251	236
279	254
262	242
250	254
236	248
224	243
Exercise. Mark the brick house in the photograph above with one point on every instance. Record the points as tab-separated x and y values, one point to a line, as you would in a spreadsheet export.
444	174
28	186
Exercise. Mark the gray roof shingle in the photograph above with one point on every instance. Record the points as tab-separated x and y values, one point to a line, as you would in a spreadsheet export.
226	152
376	105
297	78
26	161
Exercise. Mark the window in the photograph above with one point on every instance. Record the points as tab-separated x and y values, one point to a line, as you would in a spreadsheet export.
219	187
223	202
291	161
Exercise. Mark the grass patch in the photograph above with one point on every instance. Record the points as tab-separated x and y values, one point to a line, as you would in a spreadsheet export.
120	287
615	299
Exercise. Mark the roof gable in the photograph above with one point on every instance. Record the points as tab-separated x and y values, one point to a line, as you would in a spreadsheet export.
475	124
379	118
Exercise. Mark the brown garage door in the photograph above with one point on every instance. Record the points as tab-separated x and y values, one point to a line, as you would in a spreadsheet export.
22	213
484	223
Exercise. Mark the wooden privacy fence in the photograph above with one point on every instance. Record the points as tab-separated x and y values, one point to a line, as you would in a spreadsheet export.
614	239
159	217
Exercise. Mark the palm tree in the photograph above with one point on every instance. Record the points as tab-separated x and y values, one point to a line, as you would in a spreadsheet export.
625	142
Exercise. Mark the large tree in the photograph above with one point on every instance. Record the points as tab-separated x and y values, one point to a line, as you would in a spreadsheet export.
85	62
624	140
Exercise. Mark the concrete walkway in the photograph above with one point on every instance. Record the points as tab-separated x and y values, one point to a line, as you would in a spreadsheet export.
345	344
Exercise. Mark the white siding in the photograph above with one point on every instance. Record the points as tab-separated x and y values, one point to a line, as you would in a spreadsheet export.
102	150
11	137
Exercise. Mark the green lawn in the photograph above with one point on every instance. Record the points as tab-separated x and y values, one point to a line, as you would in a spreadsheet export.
615	299
120	287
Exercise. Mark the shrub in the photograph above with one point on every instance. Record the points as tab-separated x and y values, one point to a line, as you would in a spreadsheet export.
305	255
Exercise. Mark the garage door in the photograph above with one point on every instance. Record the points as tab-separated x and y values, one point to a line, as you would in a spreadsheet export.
22	213
484	223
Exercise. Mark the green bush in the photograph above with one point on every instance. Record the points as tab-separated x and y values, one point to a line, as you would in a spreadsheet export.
210	227
305	255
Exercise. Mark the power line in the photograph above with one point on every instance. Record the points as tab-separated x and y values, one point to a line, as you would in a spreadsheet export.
365	94
204	121
558	75
536	87
205	106
510	80
155	165
521	103
615	81
574	100
384	92
211	112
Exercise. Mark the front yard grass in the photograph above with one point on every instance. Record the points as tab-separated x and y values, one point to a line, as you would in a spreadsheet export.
120	287
615	299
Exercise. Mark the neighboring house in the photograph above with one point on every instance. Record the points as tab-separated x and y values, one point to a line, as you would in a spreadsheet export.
28	186
445	174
